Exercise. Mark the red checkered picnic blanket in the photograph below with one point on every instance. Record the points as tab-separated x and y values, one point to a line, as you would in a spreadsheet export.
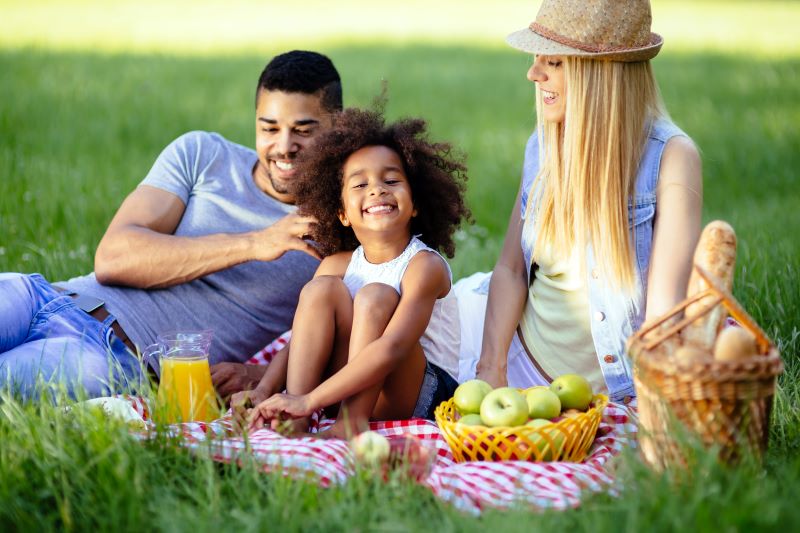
470	486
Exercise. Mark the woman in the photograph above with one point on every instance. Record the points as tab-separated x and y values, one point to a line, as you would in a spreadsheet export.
608	213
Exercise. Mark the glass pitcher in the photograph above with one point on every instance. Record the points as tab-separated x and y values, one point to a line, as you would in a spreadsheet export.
185	391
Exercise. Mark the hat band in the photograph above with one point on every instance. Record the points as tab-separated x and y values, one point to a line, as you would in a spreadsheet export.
572	43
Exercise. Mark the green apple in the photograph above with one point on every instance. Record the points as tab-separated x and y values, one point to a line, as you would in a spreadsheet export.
553	447
504	407
469	395
542	403
371	448
472	419
538	387
538	423
549	448
573	390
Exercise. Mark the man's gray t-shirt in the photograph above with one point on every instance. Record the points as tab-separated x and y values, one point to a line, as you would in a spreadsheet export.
247	305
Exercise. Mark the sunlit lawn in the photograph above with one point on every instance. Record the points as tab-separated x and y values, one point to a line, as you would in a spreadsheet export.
86	104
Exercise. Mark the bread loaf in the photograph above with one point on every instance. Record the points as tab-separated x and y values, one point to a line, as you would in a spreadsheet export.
735	343
716	254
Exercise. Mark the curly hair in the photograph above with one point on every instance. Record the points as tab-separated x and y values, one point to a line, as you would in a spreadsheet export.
436	176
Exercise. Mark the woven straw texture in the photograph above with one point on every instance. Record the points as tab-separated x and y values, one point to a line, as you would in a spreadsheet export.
724	403
566	440
612	30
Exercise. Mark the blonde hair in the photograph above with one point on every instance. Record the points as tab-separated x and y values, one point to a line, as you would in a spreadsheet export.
589	163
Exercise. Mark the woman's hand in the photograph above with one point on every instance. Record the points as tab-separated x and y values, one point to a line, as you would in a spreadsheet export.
277	408
492	372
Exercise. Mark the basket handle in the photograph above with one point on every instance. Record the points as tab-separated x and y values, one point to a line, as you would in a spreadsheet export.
737	312
664	334
720	295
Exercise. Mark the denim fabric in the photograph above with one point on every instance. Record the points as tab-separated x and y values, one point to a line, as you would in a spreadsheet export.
614	315
437	387
45	339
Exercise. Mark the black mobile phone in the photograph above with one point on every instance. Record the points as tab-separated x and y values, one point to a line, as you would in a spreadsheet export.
89	304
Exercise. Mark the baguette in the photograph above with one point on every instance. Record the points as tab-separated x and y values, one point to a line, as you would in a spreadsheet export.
716	254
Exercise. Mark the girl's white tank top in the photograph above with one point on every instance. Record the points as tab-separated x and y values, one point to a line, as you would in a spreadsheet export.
442	338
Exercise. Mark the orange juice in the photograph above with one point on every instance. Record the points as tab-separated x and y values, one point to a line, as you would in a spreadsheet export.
185	393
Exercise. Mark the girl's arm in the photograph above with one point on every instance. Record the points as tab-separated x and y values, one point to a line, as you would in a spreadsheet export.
334	265
508	292
679	205
425	280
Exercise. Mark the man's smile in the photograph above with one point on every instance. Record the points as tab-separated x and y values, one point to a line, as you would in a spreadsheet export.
282	168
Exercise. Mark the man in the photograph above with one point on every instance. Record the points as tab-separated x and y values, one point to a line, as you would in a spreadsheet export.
209	240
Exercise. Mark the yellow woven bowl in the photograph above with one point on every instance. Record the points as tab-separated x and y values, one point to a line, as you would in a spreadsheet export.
568	439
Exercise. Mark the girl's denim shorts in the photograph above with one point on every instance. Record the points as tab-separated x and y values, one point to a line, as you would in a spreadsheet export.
437	387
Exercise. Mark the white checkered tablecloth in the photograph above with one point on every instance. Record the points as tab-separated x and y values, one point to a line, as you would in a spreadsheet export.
470	486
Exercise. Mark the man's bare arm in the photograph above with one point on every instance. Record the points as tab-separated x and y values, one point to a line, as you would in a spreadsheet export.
139	248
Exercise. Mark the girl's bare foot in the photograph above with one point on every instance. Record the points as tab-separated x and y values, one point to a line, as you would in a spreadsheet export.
342	430
293	427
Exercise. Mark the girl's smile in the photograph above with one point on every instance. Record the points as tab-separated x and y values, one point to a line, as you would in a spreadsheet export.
379	209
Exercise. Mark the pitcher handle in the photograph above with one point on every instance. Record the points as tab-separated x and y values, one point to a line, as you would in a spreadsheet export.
151	357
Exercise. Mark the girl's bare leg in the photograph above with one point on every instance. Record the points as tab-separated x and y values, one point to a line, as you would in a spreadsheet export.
396	397
320	337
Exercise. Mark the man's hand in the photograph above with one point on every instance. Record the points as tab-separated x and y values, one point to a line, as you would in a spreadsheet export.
289	233
230	378
139	248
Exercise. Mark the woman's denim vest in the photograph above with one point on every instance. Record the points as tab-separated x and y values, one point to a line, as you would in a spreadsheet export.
614	315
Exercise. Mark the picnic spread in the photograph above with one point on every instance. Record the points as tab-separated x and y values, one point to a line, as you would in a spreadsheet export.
469	486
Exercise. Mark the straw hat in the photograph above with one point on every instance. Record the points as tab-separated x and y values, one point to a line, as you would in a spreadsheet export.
613	30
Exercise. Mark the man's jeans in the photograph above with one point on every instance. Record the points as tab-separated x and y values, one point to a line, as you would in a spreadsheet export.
45	339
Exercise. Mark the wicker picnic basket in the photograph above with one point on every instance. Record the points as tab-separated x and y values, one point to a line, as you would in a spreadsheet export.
568	439
726	404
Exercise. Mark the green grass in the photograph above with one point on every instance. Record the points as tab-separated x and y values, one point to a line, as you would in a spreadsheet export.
84	473
83	117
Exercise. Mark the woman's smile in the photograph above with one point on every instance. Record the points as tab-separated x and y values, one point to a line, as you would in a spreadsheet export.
549	97
549	71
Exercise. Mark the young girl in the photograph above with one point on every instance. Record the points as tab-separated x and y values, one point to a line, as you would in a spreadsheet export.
376	331
608	213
